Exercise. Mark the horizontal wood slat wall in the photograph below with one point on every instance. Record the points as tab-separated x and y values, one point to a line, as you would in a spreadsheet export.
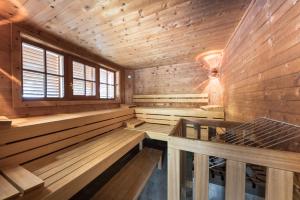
172	98
171	116
37	136
184	78
261	66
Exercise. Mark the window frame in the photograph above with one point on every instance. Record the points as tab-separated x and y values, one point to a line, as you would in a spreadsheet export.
69	54
115	85
45	49
85	63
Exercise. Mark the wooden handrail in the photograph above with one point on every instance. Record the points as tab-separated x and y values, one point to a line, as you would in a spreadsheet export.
213	123
281	165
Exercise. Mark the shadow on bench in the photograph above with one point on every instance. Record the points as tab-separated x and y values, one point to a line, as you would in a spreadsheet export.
129	182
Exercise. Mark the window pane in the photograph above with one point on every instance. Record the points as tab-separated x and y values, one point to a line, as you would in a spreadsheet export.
78	70
62	87
54	86
90	73
90	88
32	58
78	87
103	76
103	91
110	78
54	63
33	84
111	92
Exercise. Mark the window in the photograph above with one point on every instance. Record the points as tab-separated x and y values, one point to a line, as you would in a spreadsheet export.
107	84
42	73
84	80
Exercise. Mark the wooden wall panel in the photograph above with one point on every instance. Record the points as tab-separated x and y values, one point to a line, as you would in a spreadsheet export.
187	78
172	79
6	77
261	66
129	86
5	70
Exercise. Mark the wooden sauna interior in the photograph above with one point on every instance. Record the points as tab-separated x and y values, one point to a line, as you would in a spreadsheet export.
150	99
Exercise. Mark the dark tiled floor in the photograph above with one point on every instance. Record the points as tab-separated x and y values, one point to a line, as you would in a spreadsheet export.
156	188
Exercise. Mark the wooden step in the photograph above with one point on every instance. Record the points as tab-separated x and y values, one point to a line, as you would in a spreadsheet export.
129	182
5	122
22	178
132	123
7	190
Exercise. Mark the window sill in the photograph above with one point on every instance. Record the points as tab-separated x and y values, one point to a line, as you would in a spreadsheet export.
37	103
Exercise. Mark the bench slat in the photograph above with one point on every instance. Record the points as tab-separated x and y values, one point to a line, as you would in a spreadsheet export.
22	178
38	152
17	147
35	126
132	123
129	182
164	96
68	167
51	162
156	131
76	178
7	190
172	98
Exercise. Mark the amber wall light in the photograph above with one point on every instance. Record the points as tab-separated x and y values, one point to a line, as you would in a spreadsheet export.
211	60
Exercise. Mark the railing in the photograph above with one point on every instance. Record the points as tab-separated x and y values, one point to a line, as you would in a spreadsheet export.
280	165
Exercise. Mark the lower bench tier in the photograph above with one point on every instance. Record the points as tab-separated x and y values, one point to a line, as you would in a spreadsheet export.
69	170
129	182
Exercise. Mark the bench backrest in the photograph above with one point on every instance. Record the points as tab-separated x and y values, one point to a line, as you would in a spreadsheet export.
172	98
171	116
30	138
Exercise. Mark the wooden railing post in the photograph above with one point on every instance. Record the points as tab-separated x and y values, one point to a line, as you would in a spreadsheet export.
279	184
235	180
201	176
173	174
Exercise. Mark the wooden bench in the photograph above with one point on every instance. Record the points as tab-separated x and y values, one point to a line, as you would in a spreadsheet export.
171	98
53	157
129	182
161	121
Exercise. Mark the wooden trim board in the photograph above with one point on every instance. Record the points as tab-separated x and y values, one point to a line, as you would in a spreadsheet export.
22	178
289	161
171	98
7	190
132	123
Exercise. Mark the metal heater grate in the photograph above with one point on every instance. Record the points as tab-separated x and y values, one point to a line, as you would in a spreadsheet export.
264	133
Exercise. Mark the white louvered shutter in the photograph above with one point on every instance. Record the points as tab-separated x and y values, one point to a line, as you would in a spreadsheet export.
33	71
42	76
107	84
55	72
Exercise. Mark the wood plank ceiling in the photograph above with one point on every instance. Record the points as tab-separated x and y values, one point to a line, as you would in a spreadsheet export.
134	33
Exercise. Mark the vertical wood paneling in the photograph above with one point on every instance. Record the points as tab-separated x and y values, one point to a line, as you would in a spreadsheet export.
279	184
201	176
261	66
235	180
173	174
